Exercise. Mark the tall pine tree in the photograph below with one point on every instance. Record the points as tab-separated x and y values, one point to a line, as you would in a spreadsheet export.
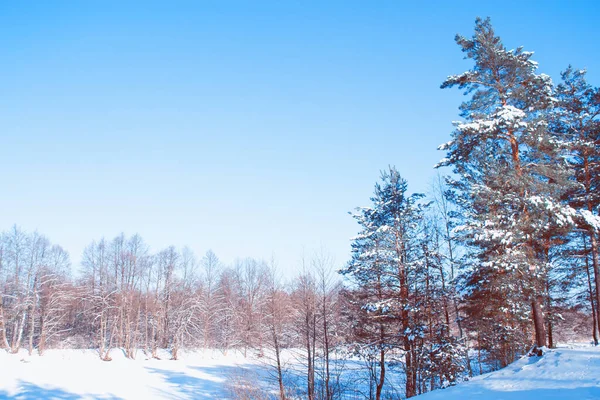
511	174
576	124
396	272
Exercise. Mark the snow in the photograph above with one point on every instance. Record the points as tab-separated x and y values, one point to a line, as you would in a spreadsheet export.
446	145
75	374
80	374
568	372
506	116
591	219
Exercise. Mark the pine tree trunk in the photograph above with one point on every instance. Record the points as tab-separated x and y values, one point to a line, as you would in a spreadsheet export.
411	379
550	335
596	266
549	315
593	236
379	387
479	352
591	295
550	325
538	322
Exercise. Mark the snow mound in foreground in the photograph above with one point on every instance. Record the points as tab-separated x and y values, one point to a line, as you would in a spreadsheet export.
564	373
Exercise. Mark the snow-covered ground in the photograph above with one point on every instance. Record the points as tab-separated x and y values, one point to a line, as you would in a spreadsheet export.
569	372
75	374
566	373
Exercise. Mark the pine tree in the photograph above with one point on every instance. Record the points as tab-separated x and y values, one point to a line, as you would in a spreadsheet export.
374	324
576	124
511	176
385	263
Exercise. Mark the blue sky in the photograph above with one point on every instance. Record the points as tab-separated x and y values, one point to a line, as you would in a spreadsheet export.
249	128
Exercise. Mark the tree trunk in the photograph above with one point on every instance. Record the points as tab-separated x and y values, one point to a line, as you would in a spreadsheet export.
326	351
310	384
381	374
31	327
3	339
146	341
101	341
175	348
42	343
592	234
19	333
479	351
538	322
444	295
154	340
550	327
596	266
411	379
278	360
550	314
591	295
550	335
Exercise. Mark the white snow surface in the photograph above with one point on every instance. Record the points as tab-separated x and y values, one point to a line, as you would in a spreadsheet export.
80	374
568	372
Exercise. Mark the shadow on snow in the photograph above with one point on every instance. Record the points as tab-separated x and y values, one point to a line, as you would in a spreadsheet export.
29	391
193	387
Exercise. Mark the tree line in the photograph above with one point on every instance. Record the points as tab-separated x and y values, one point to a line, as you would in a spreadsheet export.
500	259
128	298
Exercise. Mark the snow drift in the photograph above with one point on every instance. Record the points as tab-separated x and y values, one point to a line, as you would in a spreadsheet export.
570	372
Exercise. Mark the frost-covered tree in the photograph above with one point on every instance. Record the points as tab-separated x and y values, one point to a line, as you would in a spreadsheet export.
576	124
33	290
56	296
510	172
374	324
385	267
442	357
212	298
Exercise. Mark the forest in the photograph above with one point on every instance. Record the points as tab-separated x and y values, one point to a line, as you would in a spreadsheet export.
500	259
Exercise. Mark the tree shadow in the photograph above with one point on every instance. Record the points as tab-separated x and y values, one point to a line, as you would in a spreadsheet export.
193	386
29	391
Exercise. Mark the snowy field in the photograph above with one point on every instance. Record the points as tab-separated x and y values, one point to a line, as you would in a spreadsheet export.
76	374
569	372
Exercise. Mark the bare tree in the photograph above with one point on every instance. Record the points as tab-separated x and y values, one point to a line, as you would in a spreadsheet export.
305	302
212	298
278	323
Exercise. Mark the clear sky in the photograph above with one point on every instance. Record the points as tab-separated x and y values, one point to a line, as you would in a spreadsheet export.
250	128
